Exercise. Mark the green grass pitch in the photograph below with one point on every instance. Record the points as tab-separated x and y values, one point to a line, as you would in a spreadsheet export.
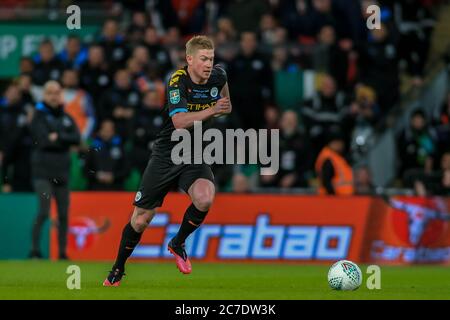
161	281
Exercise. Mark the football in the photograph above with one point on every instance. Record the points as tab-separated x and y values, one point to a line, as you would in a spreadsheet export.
344	275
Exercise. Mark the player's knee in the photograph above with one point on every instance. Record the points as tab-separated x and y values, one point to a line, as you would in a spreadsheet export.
203	201
141	218
140	225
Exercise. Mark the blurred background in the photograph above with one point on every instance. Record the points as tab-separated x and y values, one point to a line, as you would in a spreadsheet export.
310	68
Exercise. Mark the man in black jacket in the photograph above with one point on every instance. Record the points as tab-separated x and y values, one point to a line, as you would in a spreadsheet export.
95	76
120	103
252	85
53	132
15	141
148	123
295	156
47	65
106	162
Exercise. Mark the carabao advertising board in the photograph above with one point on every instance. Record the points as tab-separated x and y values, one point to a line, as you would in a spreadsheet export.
409	230
268	228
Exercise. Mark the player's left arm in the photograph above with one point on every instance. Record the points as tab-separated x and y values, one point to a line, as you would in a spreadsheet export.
225	93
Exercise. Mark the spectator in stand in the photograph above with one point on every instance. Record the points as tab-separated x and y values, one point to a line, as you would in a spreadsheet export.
246	15
121	7
94	76
417	148
325	112
436	183
326	43
252	85
78	104
225	26
379	66
147	124
190	15
171	42
445	184
172	38
47	65
140	53
156	51
282	61
415	24
114	44
295	161
336	57
364	113
136	29
136	71
444	187
25	83
225	42
294	15
120	103
26	65
363	181
148	76
351	24
106	164
321	14
441	125
304	19
15	141
272	117
268	28
74	54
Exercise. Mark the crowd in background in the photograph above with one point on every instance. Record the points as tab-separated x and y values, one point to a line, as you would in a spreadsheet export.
114	88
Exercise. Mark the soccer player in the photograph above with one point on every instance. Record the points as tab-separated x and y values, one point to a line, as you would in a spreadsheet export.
197	92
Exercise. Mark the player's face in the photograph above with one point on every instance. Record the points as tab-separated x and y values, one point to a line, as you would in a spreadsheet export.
201	63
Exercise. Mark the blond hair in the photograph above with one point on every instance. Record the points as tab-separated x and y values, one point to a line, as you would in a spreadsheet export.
198	43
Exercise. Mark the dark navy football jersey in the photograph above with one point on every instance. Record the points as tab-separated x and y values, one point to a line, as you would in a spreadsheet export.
183	95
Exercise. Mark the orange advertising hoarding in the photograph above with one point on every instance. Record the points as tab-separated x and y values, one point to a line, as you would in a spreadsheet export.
263	228
409	230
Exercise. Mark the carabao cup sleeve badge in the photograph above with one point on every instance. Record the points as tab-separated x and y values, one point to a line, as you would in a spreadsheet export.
174	96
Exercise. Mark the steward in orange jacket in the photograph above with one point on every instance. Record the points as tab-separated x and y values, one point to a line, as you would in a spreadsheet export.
334	172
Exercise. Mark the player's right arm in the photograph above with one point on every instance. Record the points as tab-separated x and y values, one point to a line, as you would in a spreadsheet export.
182	120
186	120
